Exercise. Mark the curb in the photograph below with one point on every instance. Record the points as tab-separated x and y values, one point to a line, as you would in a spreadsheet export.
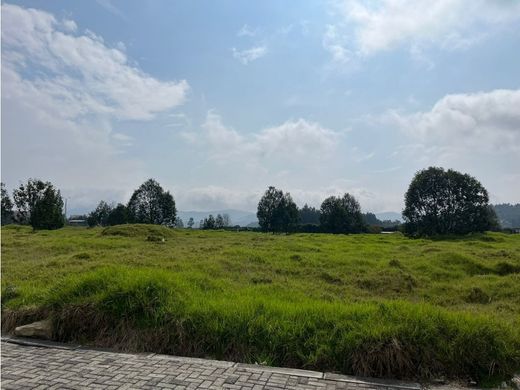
388	383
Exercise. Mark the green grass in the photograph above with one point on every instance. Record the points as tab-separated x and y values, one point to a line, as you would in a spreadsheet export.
380	305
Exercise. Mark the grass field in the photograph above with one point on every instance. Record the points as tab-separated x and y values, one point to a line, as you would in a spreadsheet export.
380	305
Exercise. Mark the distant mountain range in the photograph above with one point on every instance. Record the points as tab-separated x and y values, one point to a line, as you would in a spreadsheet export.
508	215
390	215
247	218
238	217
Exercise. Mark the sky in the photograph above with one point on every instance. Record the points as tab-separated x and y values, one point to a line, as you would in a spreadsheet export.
218	100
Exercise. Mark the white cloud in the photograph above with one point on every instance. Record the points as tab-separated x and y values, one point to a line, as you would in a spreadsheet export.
110	7
82	69
216	197
335	43
450	24
70	25
248	55
300	156
297	138
484	120
123	138
246	31
61	92
477	133
224	142
290	141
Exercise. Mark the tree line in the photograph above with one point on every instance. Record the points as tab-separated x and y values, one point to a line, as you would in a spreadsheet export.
218	222
149	203
437	202
37	203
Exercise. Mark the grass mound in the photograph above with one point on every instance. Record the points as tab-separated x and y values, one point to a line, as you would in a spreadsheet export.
145	310
139	231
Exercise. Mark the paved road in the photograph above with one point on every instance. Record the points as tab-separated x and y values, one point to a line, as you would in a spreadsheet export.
59	366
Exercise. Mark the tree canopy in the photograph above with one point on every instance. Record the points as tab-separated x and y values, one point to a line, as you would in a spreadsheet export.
209	222
108	215
99	217
446	202
276	212
151	204
191	222
39	204
508	214
341	215
118	215
309	215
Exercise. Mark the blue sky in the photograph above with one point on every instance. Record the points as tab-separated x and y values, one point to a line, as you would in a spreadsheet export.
219	99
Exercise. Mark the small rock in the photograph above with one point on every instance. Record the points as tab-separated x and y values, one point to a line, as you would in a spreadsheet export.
39	330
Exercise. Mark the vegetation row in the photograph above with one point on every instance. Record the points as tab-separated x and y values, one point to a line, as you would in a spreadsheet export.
151	310
437	202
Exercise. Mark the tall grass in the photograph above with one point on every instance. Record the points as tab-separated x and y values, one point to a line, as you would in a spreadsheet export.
365	305
145	310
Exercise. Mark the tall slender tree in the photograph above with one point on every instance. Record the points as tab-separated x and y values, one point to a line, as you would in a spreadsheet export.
100	216
191	222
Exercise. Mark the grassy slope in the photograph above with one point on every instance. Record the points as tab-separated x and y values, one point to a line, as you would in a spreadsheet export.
365	304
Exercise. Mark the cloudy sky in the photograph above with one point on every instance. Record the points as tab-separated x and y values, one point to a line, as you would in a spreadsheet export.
219	99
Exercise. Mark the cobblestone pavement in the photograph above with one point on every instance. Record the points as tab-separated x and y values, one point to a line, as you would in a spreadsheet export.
59	366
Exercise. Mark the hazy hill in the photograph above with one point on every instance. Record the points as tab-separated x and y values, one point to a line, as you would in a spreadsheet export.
247	218
390	215
508	214
238	217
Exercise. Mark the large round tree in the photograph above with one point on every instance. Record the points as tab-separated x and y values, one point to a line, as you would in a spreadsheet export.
39	204
341	215
446	202
276	212
151	204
